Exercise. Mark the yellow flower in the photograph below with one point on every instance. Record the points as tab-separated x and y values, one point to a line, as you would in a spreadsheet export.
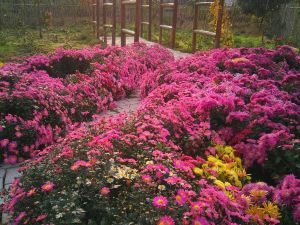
271	210
219	184
228	149
198	171
110	180
258	194
256	212
227	184
1	64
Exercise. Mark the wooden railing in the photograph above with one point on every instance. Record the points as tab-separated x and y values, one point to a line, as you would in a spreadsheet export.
140	22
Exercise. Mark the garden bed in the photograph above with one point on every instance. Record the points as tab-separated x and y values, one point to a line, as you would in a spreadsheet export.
184	157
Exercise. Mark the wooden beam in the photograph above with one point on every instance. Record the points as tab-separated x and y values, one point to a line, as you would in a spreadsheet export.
174	24
205	32
219	24
127	31
167	27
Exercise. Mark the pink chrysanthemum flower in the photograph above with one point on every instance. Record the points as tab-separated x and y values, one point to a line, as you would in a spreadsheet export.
20	217
200	221
104	191
160	201
196	206
166	220
41	217
146	178
181	197
31	192
78	164
48	187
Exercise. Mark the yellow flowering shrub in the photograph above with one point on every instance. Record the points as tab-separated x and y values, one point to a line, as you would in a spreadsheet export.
227	167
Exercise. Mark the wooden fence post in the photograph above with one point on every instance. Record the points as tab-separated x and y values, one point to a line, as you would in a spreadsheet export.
136	31
174	24
219	24
39	18
137	20
98	19
162	26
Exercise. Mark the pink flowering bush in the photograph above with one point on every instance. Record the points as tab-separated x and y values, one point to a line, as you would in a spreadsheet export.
45	96
184	157
287	194
246	98
108	174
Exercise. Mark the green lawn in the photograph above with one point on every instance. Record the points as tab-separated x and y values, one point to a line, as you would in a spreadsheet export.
20	42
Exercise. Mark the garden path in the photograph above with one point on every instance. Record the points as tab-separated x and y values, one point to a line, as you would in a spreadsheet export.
130	40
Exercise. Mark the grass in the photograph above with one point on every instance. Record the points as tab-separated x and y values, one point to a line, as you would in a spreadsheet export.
22	42
184	41
15	43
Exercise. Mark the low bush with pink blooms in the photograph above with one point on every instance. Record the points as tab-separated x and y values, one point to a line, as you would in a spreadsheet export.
184	157
43	97
246	98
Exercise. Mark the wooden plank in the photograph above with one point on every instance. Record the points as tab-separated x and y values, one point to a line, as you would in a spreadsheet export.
130	2
161	16
205	32
98	19
114	22
123	24
168	5
108	25
150	20
104	23
167	27
174	24
137	28
127	31
204	3
219	24
195	25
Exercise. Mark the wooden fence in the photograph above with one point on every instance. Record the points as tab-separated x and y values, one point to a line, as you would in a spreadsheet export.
139	22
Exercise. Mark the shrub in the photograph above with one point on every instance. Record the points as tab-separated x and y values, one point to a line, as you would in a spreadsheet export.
171	162
46	95
246	98
109	174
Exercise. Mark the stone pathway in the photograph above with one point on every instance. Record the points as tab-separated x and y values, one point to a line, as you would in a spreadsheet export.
7	175
127	105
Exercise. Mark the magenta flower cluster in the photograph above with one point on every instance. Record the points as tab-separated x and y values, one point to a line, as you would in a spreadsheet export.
47	95
245	98
183	157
